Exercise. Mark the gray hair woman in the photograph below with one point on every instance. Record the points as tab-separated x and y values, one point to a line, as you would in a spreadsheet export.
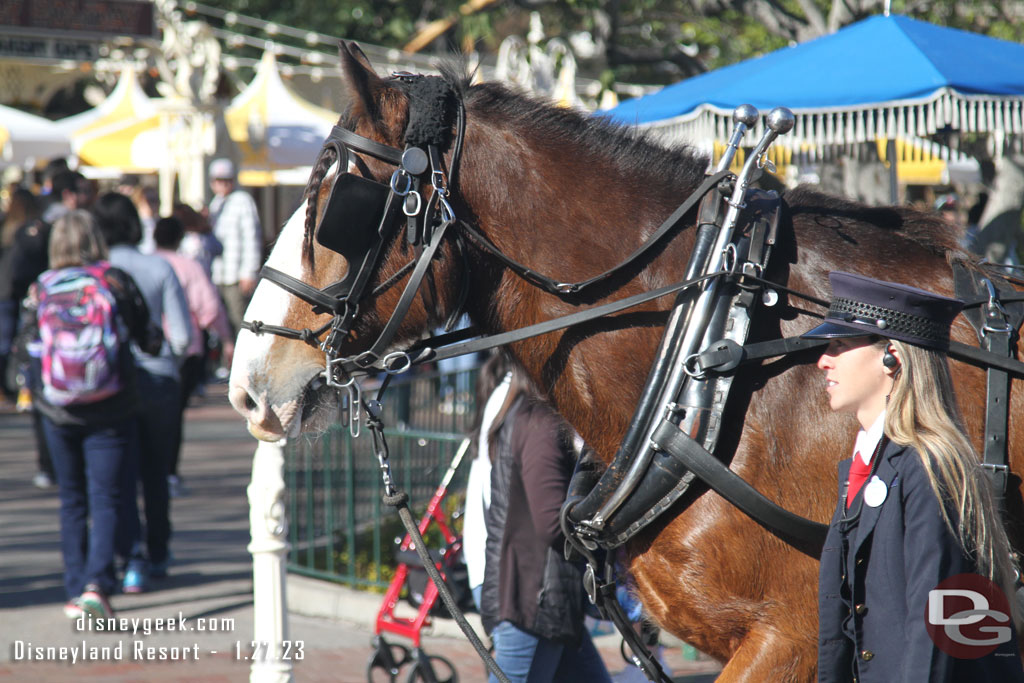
80	315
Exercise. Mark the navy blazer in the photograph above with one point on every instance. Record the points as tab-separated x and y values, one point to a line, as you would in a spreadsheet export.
872	610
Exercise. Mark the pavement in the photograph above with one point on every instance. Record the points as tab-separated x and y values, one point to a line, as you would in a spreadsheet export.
197	624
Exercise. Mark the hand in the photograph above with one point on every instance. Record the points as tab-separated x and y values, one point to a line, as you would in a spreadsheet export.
227	352
247	285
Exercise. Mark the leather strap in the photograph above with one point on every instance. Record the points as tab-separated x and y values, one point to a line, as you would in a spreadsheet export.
387	153
810	535
307	293
562	288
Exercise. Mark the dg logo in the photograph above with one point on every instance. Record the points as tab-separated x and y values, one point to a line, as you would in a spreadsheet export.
968	616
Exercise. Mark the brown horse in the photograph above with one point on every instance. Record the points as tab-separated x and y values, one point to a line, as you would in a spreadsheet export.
570	196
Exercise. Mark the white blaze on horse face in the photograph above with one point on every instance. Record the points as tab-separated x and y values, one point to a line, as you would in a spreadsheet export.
268	379
261	384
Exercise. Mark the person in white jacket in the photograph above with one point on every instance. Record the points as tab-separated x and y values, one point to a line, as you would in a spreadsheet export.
492	389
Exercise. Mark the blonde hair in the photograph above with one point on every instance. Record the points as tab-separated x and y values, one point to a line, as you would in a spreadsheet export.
76	240
922	413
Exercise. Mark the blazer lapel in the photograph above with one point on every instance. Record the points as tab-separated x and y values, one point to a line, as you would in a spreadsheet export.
844	477
868	514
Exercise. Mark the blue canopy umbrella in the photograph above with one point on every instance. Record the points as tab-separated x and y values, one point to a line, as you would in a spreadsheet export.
884	77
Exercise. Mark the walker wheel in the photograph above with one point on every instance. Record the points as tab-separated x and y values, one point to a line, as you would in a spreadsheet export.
387	661
427	670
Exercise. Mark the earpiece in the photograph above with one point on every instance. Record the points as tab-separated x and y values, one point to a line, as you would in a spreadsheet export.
890	361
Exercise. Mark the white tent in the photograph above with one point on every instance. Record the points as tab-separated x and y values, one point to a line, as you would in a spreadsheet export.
28	140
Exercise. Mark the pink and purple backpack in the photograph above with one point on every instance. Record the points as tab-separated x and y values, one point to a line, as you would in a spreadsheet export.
81	335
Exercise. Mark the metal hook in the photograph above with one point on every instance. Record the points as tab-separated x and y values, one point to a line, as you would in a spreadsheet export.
355	397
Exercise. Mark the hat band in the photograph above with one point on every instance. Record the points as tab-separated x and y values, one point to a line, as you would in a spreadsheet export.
888	321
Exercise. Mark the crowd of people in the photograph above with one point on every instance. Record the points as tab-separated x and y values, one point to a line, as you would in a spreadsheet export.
111	317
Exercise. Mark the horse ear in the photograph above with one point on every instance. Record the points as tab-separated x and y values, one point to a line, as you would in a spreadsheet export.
363	83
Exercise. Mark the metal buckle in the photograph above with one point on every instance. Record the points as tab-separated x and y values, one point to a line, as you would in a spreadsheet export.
400	356
993	310
400	173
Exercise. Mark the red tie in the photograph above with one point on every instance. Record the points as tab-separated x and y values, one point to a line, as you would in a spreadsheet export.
859	472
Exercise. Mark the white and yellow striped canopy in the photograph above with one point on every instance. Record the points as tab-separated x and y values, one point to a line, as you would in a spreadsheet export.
274	128
123	132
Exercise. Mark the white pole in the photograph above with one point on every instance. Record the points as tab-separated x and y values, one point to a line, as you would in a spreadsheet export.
268	526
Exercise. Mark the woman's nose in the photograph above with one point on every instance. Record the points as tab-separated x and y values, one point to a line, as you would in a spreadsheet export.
825	362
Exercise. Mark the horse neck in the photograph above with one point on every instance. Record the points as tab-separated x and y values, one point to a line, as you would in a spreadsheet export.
568	214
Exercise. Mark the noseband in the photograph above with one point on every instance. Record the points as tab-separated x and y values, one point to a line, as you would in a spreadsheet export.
369	212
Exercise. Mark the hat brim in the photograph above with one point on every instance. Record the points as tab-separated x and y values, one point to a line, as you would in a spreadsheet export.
833	330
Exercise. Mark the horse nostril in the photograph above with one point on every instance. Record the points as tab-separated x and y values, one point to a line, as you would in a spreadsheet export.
250	402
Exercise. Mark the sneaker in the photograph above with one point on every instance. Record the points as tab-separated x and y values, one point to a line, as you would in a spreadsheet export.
42	480
94	603
176	487
134	577
73	608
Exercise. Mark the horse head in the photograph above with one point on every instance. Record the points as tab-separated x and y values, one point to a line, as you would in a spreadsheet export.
338	297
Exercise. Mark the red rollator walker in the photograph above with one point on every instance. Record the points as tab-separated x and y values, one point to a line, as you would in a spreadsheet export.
389	658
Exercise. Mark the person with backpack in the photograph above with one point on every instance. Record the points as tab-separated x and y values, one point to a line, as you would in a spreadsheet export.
79	317
159	382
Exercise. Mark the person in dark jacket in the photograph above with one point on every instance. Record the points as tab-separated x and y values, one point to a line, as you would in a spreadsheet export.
532	598
24	257
159	383
916	542
93	442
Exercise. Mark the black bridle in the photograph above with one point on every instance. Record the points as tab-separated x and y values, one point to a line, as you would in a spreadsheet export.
369	210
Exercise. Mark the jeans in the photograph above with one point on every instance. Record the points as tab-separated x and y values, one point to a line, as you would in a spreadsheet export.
159	424
525	658
8	329
95	469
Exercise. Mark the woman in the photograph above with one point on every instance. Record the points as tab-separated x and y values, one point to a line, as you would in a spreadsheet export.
158	379
491	390
915	522
206	312
532	598
89	424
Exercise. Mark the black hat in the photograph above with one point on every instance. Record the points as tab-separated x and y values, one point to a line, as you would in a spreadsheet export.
862	306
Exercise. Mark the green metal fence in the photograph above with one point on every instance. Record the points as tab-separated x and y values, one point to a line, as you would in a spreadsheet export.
338	528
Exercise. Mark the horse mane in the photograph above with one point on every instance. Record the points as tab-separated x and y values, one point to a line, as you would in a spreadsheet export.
925	229
634	153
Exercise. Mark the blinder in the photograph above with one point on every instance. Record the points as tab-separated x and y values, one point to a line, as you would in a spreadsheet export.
364	208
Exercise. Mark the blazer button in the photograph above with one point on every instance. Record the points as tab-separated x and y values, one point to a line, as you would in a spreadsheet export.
860	561
861	609
867	655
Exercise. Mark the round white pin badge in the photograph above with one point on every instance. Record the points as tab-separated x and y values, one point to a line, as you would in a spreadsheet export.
875	492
